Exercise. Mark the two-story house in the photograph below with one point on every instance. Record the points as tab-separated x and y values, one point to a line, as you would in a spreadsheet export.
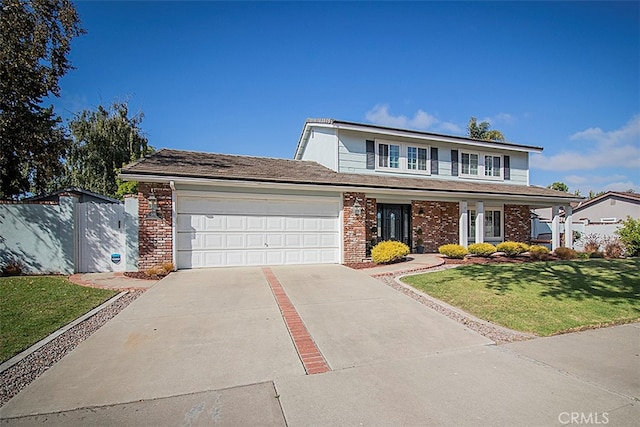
348	186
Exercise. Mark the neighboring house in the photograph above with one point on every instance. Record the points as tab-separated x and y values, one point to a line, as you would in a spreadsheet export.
608	208
603	215
348	186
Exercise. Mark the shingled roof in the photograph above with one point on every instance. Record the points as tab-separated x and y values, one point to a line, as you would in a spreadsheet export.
189	164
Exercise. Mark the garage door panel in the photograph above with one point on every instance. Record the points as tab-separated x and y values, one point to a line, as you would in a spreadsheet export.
256	223
276	223
218	232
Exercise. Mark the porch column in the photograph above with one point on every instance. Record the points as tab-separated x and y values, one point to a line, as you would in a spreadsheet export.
568	227
463	225
555	227
479	222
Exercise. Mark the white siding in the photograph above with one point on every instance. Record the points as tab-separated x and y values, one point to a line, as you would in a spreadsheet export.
321	147
353	158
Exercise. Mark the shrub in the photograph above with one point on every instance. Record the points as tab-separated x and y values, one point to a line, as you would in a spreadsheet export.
539	252
168	267
12	268
512	249
453	251
482	249
613	248
565	253
591	243
154	271
389	251
629	234
596	254
582	255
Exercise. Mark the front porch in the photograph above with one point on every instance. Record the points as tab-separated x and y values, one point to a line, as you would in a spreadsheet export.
369	219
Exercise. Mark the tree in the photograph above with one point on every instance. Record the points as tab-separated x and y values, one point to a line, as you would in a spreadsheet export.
629	234
35	39
559	186
481	130
103	141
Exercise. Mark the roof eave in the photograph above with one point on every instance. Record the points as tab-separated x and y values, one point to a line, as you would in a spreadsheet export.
534	200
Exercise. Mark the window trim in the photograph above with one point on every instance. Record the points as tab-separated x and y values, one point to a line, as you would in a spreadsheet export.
403	159
482	165
473	212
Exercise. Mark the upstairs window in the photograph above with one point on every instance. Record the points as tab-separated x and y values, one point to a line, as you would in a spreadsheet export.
417	159
389	156
469	164
492	166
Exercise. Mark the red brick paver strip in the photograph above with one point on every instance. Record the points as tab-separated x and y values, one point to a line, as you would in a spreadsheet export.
312	360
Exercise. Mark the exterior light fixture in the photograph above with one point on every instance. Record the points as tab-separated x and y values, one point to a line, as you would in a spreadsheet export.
153	207
421	211
357	209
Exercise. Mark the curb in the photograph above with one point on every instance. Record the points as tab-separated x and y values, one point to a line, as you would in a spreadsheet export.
406	272
18	357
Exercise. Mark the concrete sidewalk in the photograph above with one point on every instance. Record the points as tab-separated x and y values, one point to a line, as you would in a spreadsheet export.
207	347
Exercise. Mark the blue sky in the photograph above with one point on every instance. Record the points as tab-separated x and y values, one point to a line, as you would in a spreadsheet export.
242	77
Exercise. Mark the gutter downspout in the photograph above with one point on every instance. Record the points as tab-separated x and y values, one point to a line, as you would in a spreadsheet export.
174	223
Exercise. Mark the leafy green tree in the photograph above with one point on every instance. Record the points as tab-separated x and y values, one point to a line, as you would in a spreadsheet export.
482	130
559	186
103	141
35	40
629	234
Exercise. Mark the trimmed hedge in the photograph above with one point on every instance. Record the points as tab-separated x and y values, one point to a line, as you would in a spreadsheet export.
482	249
512	249
389	251
453	251
539	252
565	253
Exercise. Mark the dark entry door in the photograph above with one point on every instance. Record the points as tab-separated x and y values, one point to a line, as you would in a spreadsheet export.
395	222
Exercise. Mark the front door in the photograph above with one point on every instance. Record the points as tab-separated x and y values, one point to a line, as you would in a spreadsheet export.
395	222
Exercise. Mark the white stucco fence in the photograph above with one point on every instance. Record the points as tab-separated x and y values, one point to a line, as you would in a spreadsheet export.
47	238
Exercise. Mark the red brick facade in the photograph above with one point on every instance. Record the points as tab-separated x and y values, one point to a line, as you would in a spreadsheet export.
438	221
371	221
155	235
354	227
517	223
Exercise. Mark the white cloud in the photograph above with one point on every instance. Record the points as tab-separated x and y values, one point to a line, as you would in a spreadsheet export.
618	148
421	120
380	115
449	127
622	186
499	118
593	179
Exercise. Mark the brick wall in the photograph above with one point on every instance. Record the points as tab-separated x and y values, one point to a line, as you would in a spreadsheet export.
438	221
155	244
371	219
355	235
517	223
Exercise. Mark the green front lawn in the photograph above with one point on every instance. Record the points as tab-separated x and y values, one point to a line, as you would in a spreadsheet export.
543	298
32	307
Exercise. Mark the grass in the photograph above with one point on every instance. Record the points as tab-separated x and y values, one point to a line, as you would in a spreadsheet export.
32	307
543	298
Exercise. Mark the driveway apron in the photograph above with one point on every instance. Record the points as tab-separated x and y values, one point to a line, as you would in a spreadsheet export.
195	330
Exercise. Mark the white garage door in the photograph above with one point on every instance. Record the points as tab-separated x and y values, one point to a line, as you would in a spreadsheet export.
232	231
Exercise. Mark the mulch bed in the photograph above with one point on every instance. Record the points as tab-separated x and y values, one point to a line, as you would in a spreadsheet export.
142	275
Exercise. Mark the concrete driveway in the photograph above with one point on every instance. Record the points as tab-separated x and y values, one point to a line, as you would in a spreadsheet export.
207	347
